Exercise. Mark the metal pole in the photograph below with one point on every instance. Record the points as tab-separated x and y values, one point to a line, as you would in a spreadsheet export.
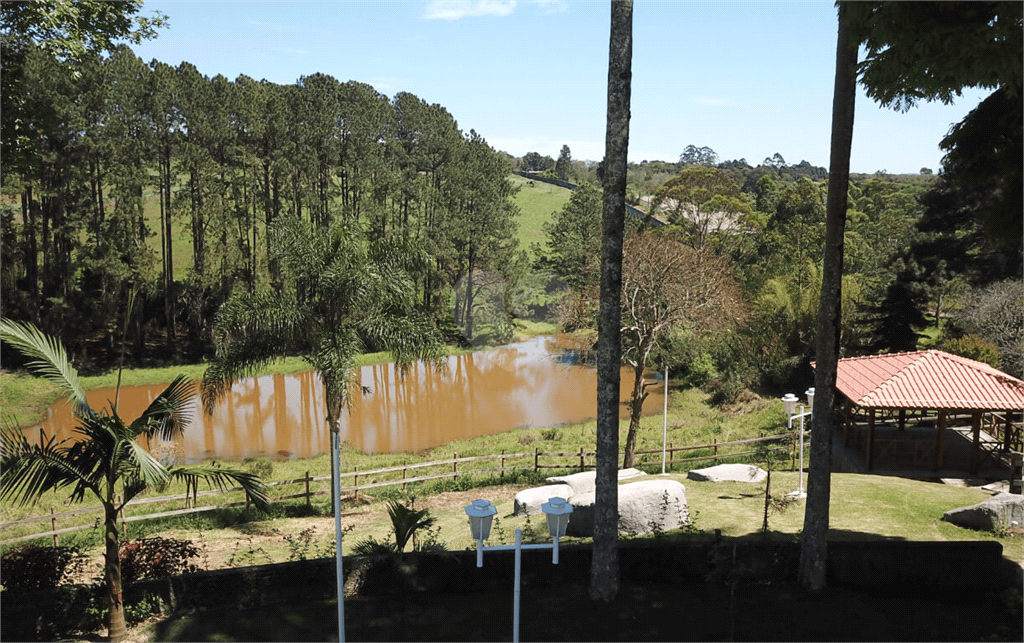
664	427
336	469
554	552
800	485
515	604
480	552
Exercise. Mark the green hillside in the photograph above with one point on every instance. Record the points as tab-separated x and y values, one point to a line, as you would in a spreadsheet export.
536	202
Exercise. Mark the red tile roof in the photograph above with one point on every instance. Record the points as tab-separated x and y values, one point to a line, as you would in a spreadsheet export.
927	380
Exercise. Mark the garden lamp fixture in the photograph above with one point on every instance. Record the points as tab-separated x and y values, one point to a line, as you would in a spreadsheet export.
789	402
481	512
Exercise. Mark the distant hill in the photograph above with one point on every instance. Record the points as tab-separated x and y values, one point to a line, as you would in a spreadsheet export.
536	201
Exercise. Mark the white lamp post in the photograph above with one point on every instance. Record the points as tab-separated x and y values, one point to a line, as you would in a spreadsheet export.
789	402
481	512
664	428
336	485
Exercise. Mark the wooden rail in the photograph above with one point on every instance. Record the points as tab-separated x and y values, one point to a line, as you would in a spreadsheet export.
580	462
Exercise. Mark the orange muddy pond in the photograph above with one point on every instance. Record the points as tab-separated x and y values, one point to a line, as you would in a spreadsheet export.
536	383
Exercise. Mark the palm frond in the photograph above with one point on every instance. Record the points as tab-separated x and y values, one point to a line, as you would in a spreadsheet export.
250	331
167	416
409	338
216	476
28	471
138	464
406	521
333	356
50	360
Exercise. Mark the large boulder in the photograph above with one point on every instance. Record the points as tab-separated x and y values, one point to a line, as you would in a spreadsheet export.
644	507
731	472
1001	510
528	501
584	482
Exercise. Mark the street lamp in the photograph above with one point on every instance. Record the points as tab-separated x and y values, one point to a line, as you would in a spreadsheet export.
789	402
481	512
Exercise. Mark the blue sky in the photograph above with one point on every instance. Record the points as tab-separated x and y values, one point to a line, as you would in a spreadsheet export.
747	79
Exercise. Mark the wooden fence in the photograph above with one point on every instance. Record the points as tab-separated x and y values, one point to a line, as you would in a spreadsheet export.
371	479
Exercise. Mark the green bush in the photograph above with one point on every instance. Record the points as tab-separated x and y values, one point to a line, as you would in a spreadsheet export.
974	347
156	557
32	567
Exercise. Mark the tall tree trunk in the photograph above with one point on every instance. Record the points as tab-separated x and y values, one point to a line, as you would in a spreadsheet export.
169	302
117	628
469	294
604	570
636	407
28	208
813	542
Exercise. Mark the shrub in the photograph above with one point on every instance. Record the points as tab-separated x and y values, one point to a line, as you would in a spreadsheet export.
551	435
974	347
261	467
725	391
156	557
31	567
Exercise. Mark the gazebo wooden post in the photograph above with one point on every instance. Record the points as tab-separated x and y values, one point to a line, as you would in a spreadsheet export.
846	425
976	449
1007	430
939	438
871	436
903	419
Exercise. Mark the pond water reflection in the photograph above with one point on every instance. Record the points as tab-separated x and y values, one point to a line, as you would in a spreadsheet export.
537	383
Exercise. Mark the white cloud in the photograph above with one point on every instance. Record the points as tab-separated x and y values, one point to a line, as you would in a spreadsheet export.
552	6
455	9
708	101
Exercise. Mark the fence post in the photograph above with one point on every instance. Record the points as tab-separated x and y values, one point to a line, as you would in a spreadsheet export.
53	520
671	452
502	474
246	501
308	501
455	465
583	465
536	459
714	442
355	495
405	472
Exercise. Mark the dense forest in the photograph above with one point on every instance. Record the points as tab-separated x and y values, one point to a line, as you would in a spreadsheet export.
138	197
115	158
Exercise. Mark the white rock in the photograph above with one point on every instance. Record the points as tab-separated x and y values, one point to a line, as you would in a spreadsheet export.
644	506
528	501
999	510
731	472
584	482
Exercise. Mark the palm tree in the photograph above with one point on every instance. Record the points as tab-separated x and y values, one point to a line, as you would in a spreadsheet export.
105	458
340	296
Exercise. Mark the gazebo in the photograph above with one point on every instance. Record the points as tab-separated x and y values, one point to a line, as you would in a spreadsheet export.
936	392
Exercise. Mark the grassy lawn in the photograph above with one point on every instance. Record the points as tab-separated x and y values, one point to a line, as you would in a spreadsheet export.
536	204
863	508
691	421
